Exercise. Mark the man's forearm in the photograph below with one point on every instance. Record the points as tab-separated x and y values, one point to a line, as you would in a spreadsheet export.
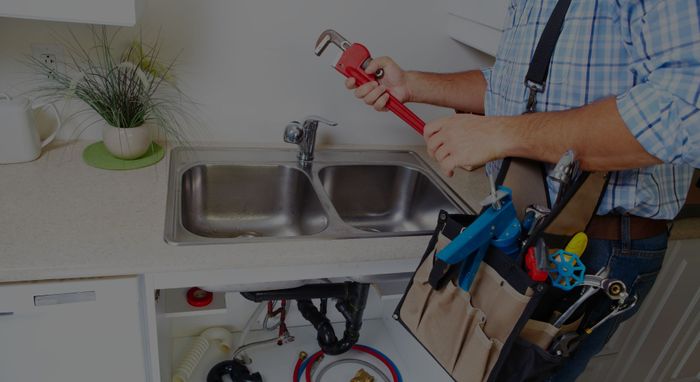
596	132
460	91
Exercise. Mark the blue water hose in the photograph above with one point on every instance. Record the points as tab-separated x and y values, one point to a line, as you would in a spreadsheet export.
305	363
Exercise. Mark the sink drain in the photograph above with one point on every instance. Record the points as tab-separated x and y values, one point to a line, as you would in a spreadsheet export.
249	235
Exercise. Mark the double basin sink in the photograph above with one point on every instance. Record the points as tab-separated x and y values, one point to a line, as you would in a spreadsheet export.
223	195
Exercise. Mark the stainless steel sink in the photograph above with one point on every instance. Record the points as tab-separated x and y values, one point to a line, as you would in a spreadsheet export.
383	198
222	201
222	195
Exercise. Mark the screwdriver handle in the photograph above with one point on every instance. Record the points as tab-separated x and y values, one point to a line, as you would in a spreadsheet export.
350	65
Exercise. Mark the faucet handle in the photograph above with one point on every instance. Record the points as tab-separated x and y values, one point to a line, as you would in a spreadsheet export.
304	135
293	132
316	119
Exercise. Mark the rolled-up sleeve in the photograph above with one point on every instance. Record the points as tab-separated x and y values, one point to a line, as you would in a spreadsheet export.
662	110
487	76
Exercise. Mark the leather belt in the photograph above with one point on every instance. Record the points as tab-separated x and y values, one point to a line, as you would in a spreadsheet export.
608	227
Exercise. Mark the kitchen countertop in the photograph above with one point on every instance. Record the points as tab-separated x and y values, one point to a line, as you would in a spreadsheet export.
60	218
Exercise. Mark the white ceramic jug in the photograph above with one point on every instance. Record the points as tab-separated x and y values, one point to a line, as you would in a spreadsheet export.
19	137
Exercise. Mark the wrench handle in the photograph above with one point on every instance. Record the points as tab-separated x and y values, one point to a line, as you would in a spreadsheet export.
350	65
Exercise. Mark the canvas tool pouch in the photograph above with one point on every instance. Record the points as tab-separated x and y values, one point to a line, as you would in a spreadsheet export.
466	331
487	333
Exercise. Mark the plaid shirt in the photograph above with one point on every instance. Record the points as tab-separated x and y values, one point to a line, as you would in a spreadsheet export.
644	52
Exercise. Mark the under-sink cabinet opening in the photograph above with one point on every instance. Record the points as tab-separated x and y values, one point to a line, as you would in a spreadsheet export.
193	340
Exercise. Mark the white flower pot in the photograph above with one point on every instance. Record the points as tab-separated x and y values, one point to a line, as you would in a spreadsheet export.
127	143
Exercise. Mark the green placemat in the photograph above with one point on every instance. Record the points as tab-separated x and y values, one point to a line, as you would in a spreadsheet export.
96	155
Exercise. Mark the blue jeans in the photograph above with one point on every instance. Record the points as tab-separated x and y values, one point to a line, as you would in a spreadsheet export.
636	263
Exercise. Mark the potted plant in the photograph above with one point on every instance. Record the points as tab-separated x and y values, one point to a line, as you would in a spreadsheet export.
130	92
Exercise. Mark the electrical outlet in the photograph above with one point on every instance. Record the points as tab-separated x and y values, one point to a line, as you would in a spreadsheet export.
50	55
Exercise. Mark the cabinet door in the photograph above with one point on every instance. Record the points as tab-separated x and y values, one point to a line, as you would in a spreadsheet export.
73	331
477	23
109	12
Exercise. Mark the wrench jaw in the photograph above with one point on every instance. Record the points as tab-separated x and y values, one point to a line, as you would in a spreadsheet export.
621	307
565	344
615	289
330	36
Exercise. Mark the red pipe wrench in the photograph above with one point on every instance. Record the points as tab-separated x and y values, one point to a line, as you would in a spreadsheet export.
352	63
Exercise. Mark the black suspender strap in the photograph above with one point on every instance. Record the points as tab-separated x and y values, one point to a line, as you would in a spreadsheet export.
521	175
539	66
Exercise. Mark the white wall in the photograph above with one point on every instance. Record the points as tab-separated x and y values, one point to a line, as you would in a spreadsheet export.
250	63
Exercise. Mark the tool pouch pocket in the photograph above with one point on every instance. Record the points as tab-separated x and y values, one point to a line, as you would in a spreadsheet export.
528	359
527	362
470	333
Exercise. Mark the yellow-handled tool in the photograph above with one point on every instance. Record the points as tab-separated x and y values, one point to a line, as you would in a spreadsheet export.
577	245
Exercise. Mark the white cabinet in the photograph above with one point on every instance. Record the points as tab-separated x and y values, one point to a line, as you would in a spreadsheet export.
178	328
108	12
72	331
477	23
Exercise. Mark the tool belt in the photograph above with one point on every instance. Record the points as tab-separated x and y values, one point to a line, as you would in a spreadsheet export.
471	302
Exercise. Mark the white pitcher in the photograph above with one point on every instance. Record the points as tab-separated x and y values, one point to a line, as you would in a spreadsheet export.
19	137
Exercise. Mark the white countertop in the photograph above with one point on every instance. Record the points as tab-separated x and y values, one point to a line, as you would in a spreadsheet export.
60	218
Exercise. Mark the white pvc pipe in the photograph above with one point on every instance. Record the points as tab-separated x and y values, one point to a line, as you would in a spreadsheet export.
199	348
222	335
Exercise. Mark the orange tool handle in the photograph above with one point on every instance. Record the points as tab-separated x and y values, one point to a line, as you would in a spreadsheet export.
351	64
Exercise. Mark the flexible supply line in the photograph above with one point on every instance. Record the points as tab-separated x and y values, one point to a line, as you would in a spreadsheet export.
249	325
305	366
353	361
199	347
255	344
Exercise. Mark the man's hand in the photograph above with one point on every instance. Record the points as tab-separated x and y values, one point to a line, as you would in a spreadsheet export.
375	93
465	140
596	133
462	91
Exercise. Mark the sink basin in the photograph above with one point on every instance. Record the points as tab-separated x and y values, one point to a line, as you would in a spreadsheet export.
223	201
378	198
226	195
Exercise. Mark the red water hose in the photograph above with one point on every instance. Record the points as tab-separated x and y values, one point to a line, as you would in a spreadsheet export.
300	360
379	357
310	364
360	348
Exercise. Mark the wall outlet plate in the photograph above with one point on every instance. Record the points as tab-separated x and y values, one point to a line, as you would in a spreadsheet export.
51	55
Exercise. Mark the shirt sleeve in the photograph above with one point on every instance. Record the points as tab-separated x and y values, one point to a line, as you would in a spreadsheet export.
487	76
662	110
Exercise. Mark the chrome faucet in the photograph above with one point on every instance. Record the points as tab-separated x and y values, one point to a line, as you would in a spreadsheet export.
304	135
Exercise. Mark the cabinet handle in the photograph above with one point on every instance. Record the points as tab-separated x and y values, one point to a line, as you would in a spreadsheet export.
64	298
2	314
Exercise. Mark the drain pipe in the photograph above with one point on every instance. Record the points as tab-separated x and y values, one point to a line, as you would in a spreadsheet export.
201	344
351	300
352	308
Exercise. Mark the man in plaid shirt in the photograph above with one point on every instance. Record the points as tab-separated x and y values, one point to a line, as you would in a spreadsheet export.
623	92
